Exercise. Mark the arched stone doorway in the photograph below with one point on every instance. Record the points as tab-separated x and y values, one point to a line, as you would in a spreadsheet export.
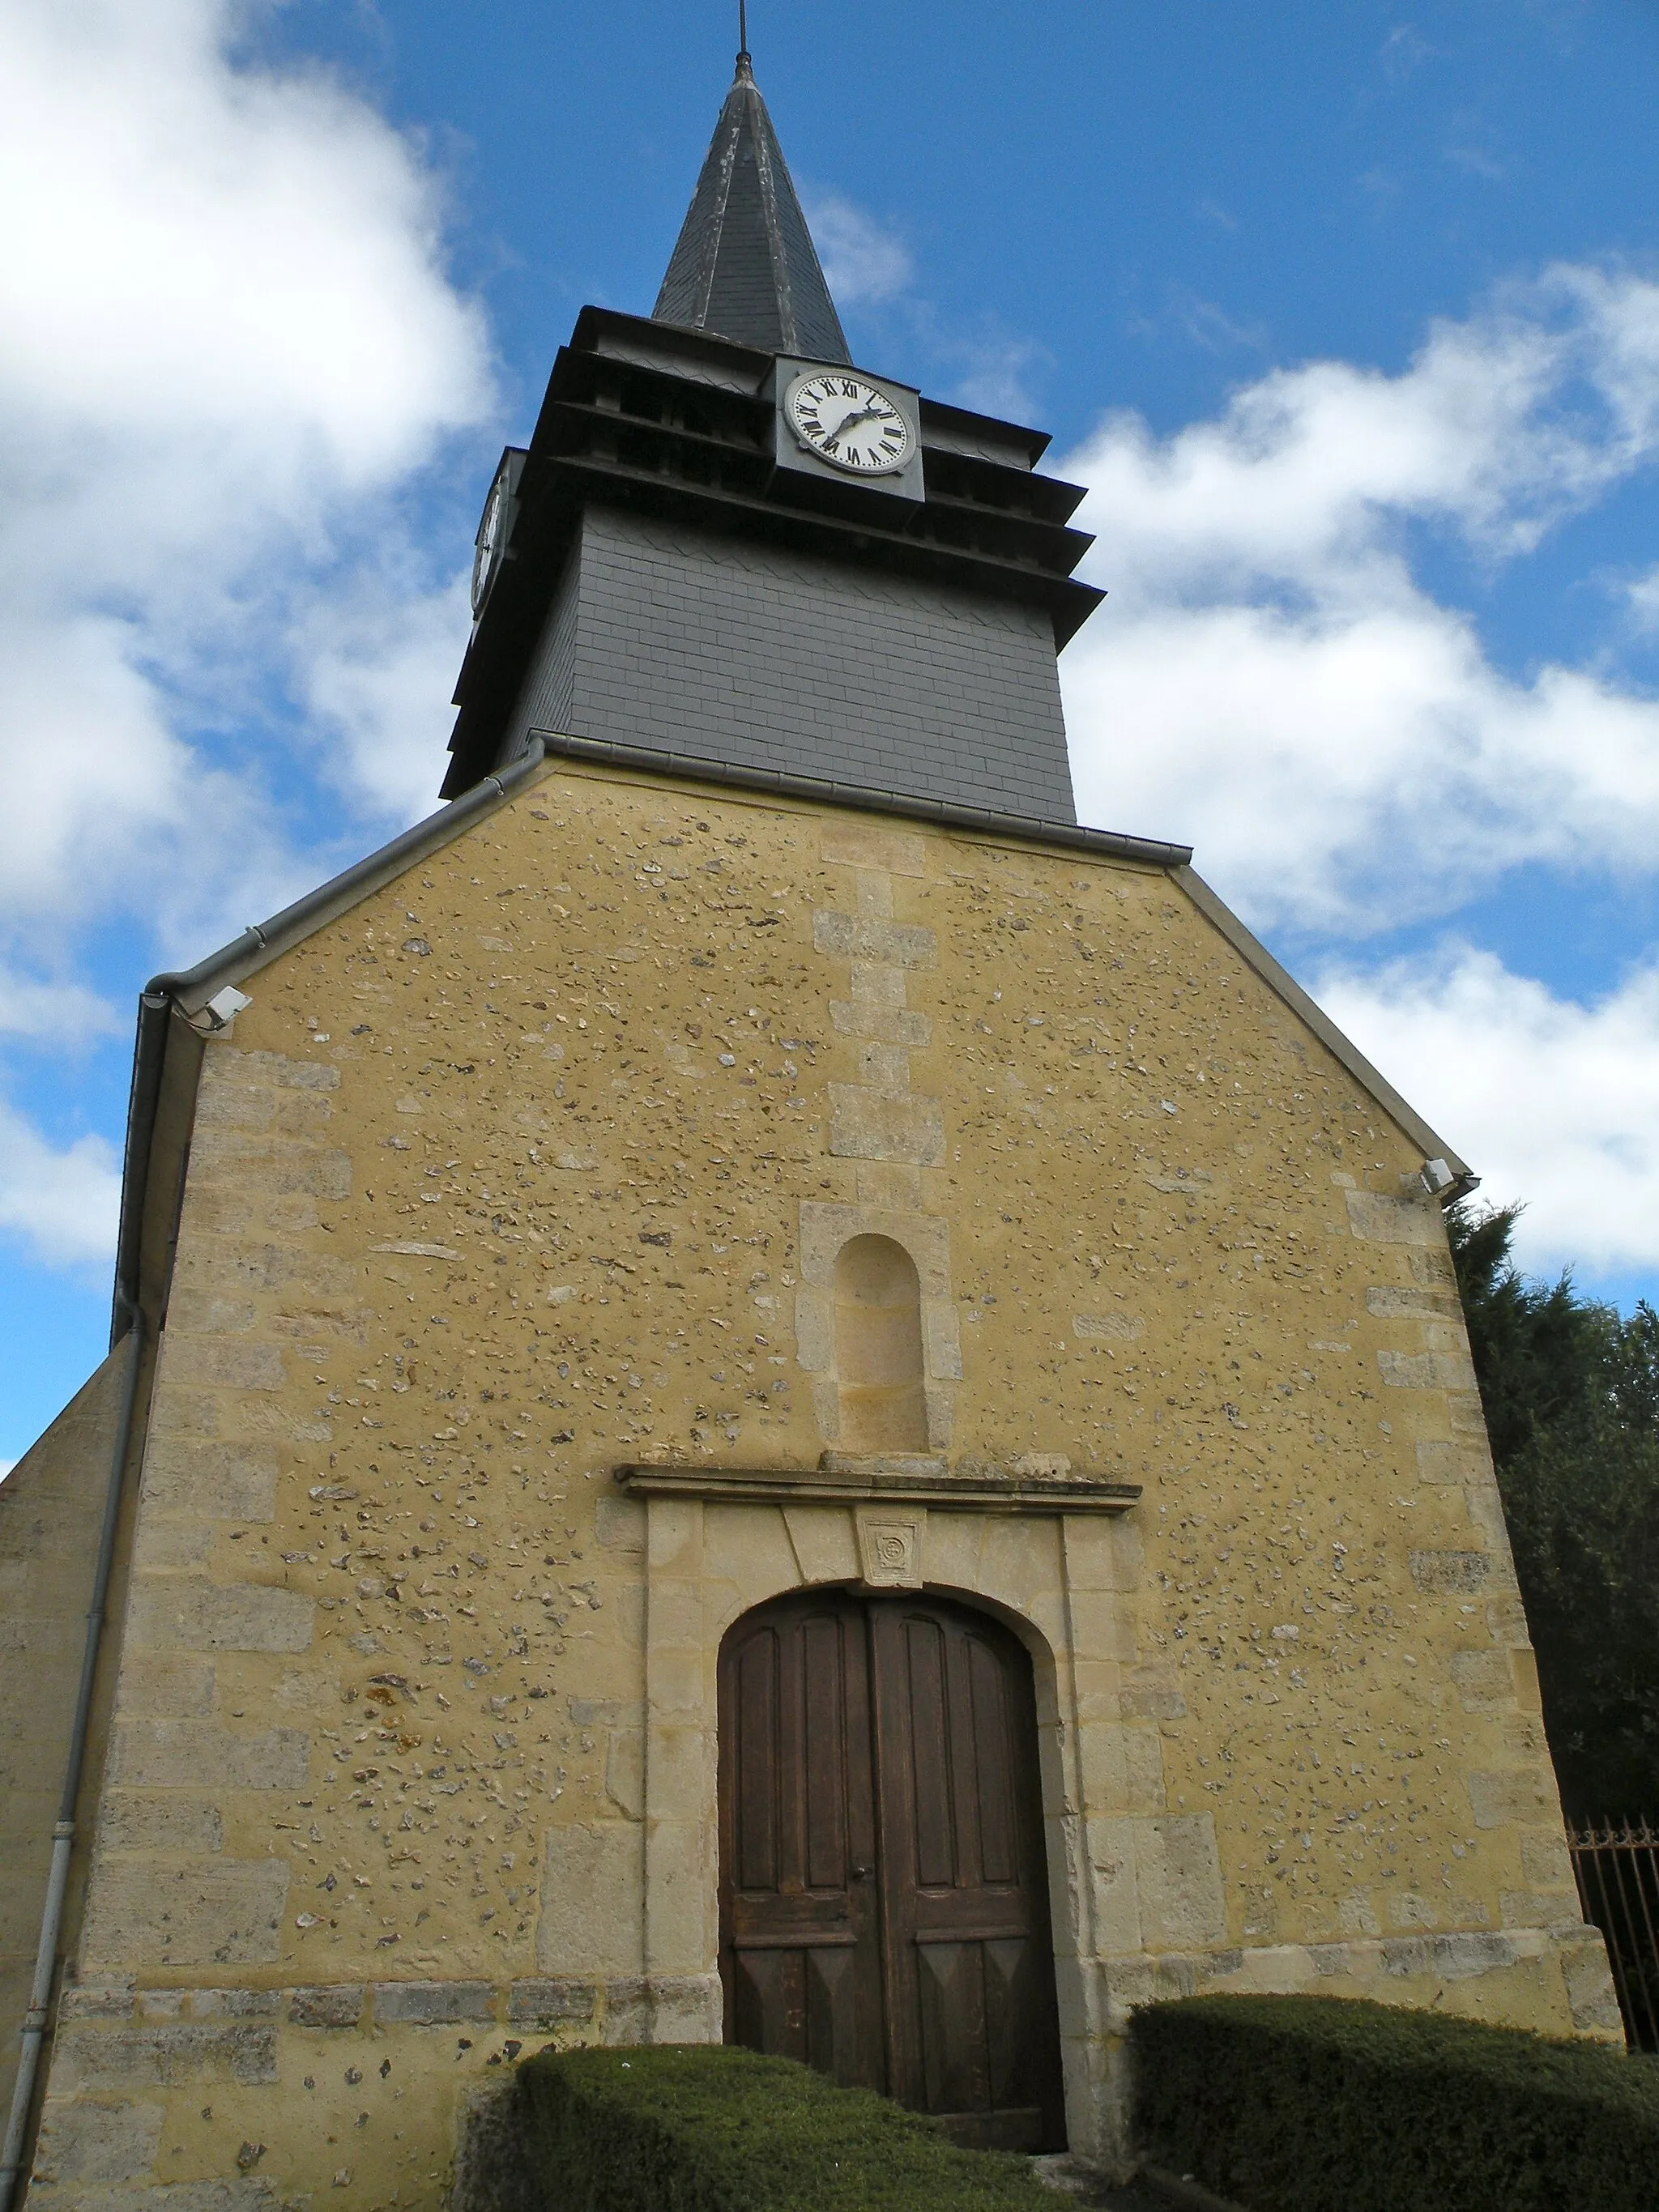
883	1894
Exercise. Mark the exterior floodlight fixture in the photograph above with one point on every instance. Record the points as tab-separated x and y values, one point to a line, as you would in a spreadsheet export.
223	1008
1437	1177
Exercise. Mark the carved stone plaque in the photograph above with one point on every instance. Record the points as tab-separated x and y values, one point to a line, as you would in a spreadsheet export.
890	1549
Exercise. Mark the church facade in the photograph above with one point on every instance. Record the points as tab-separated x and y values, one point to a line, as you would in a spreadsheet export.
760	1388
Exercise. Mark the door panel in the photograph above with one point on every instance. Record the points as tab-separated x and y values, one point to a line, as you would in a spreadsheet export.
972	2031
883	1897
798	1954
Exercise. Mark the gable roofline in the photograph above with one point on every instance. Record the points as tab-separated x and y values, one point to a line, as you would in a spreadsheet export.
1341	1047
168	1051
172	1028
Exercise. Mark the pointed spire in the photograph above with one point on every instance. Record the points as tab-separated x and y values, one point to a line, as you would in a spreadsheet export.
745	266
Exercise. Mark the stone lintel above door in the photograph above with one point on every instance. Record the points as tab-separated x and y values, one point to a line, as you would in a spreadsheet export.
924	1483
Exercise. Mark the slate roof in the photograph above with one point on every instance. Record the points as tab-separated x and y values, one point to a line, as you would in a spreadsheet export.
745	266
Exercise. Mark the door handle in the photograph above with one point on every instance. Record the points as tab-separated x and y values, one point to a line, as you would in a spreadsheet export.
862	1872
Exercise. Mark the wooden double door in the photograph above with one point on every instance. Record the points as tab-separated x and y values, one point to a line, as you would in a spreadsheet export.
883	1894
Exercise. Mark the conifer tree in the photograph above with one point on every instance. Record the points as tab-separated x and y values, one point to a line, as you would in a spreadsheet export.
1571	1388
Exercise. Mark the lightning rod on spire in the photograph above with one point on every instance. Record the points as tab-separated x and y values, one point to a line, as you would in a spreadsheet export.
743	30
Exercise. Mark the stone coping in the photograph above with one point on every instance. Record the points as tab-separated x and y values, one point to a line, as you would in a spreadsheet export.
885	1484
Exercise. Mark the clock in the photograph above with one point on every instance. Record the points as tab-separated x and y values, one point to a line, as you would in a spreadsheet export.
497	527
850	422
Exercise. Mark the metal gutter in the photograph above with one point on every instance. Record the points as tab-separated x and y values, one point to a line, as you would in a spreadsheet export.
693	768
37	2017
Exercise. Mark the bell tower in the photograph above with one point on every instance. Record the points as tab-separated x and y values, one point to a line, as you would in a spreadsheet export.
728	542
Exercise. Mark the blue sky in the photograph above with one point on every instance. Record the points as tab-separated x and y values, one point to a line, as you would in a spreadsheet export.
1348	316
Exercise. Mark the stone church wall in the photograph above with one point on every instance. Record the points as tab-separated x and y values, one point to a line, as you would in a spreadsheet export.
540	1162
769	658
51	1507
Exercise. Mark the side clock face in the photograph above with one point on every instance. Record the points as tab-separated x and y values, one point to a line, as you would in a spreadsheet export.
848	421
491	533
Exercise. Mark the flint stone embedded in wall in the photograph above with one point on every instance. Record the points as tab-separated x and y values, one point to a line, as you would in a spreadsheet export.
197	1615
193	1912
1122	1329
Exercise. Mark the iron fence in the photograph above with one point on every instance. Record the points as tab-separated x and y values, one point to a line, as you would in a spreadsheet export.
1617	1867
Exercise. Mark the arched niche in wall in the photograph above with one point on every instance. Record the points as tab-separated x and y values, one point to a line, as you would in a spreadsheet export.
878	1356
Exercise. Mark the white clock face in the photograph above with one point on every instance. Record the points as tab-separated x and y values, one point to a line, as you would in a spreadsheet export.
490	539
848	421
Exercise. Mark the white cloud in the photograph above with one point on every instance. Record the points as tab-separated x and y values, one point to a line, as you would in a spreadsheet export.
863	263
1552	1102
228	348
379	666
64	1010
61	1205
997	375
225	340
1270	681
1642	604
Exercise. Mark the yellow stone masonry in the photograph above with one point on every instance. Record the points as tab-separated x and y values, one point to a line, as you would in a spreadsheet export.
541	1162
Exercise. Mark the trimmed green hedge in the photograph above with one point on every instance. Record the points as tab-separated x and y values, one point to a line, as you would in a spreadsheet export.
705	2128
1337	2105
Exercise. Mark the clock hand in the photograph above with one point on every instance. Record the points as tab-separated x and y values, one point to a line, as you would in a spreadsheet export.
851	421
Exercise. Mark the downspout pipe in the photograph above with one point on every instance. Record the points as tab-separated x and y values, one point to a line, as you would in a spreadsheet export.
37	2017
